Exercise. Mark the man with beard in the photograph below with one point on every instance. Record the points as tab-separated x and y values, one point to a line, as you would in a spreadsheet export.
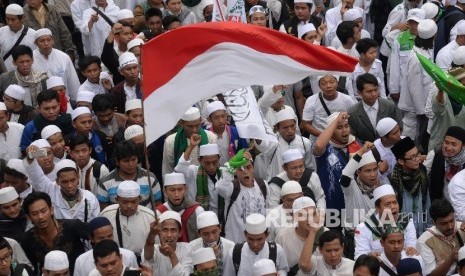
13	220
54	137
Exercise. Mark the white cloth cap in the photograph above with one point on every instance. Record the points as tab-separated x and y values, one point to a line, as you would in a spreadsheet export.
416	15
64	164
54	81
331	118
461	1
209	149
304	28
49	131
460	27
291	187
292	155
385	125
133	104
301	203
257	9
170	215
461	253
284	114
17	165
42	32
85	96
215	106
427	28
367	158
3	106
127	58
14	9
304	1
124	14
15	91
128	189
174	179
203	255
133	131
383	190
41	143
80	111
264	267
255	224
352	15
458	58
192	114
430	9
8	194
207	218
56	260
135	42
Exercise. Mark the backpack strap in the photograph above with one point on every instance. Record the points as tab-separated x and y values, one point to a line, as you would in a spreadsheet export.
324	104
386	268
162	208
20	38
278	181
96	170
118	229
273	248
237	256
184	217
459	238
262	186
305	177
234	195
20	268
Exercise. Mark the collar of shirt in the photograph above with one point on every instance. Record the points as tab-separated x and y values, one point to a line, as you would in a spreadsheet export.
330	267
385	259
367	107
89	164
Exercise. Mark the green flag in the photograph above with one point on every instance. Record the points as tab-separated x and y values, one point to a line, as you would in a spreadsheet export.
444	80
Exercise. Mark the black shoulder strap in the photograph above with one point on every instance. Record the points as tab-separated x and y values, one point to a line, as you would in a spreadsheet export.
273	251
237	256
234	195
324	104
278	181
19	270
293	271
118	229
387	269
86	211
20	38
305	177
104	16
262	186
96	170
459	238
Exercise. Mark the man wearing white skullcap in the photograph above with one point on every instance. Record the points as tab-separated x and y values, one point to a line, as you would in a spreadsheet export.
97	82
350	15
15	175
458	58
46	162
445	56
134	133
13	220
55	263
334	17
54	137
204	261
84	98
13	98
57	84
10	135
242	257
389	133
177	143
305	15
184	14
134	46
257	16
264	267
308	33
134	116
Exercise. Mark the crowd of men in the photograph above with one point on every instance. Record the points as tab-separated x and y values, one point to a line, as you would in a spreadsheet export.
365	177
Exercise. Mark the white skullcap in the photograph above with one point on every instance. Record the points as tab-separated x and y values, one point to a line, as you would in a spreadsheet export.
461	1
128	189
133	104
8	194
207	218
256	9
133	131
170	215
255	224
64	164
127	58
15	91
174	179
49	131
41	143
17	165
284	114
460	27
304	1
383	190
458	58
42	32
427	28
416	15
264	267
56	260
385	125
208	149
301	203
54	81
192	114
367	158
3	106
203	255
80	111
124	14
135	42
331	118
302	29
292	155
291	187
352	15
461	253
14	9
85	96
430	9
215	106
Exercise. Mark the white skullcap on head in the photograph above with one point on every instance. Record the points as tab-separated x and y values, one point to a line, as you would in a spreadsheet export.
291	187
42	32
85	96
174	179
255	224
460	27
292	155
54	81
352	15
215	106
461	253
80	111
15	91
331	118
209	149
133	131
430	9
416	15
49	131
128	189
385	125
14	9
64	164
135	42
304	1
127	58
17	165
427	28
301	203
8	194
207	218
383	190
264	267
461	1
3	106
170	215
284	114
256	9
367	158
458	58
41	143
56	261
305	28
133	104
124	14
203	255
192	114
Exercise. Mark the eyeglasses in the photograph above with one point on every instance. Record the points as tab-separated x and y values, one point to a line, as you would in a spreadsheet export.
6	259
414	157
255	9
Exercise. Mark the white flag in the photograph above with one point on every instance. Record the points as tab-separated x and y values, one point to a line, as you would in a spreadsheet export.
219	10
236	11
249	120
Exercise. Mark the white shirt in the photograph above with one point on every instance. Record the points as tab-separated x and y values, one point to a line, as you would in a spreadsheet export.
397	15
456	192
333	18
97	88
77	9
336	42
92	181
227	246
320	268
351	52
161	264
386	155
8	39
372	112
126	4
10	141
403	255
397	67
376	69
85	262
445	55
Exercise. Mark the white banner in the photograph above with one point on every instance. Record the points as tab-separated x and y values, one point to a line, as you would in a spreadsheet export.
249	120
219	9
236	11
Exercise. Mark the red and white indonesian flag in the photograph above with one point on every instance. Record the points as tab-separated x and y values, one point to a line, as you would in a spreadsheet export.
186	65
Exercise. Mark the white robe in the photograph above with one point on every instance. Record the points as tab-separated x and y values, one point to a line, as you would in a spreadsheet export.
8	39
85	262
161	264
9	143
